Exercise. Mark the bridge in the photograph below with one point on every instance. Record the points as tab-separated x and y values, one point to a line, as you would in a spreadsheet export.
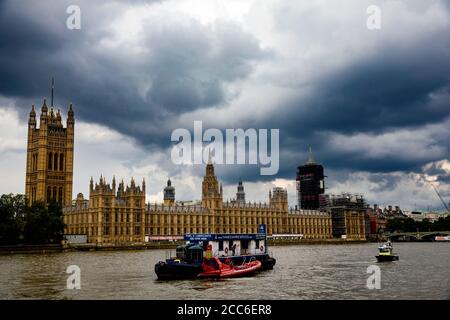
416	235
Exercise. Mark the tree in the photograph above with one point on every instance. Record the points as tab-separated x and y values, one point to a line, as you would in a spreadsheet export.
38	224
395	224
43	224
410	225
12	211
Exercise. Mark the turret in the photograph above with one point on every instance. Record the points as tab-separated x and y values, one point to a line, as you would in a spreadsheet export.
70	117
32	119
44	114
58	118
212	192
169	194
240	194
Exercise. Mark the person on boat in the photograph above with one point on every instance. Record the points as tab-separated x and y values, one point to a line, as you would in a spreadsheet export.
233	249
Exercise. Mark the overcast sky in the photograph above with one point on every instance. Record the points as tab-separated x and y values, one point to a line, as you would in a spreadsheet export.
374	105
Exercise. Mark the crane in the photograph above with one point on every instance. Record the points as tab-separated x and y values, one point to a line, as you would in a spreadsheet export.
437	192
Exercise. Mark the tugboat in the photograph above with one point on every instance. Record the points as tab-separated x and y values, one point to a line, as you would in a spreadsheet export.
232	249
214	268
386	252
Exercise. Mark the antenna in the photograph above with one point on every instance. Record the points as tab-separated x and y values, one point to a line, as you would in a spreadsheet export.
53	86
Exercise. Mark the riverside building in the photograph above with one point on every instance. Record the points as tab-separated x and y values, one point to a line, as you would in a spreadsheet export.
121	215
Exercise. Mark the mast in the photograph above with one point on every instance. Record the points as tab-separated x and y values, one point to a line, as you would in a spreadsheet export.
53	86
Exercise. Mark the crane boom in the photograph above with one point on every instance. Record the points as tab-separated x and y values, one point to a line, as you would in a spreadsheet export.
437	192
440	197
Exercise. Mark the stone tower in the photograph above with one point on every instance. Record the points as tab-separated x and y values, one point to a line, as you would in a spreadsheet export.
279	199
49	170
169	194
240	194
212	193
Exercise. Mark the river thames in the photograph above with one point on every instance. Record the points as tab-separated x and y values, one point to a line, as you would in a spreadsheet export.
301	272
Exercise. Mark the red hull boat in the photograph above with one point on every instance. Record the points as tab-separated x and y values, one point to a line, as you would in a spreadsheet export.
214	268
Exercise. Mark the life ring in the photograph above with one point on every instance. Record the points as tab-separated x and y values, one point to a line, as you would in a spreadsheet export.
261	248
226	250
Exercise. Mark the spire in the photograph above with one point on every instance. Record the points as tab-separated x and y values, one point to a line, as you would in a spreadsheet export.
44	108
32	112
32	119
53	86
70	118
310	157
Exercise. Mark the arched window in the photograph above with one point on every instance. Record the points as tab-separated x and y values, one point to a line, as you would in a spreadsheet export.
55	162
61	162
49	194
50	157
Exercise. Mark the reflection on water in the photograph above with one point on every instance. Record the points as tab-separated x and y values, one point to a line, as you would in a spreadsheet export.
301	272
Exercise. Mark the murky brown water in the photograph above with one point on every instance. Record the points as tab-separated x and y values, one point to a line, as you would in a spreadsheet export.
302	272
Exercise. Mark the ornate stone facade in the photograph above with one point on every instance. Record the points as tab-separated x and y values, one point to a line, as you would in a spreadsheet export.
49	170
122	216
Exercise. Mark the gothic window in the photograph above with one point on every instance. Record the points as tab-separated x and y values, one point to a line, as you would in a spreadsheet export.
49	194
50	156
55	162
60	194
54	194
61	162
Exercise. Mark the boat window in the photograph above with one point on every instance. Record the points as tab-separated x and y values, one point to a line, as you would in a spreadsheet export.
220	245
230	244
245	244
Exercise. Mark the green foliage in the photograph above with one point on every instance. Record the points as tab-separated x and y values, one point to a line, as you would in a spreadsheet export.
410	225
38	224
12	212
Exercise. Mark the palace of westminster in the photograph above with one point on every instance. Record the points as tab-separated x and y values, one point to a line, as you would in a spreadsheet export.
119	214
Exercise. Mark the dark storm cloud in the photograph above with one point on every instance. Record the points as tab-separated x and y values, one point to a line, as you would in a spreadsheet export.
394	89
182	66
185	66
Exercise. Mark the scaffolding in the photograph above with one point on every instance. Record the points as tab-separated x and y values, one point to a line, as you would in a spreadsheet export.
341	205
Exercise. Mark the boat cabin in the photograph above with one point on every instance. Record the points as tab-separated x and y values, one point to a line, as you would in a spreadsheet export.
190	252
228	245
